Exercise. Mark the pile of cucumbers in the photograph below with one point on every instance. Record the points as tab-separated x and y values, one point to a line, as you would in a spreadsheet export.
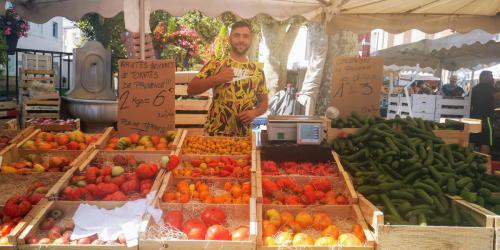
409	171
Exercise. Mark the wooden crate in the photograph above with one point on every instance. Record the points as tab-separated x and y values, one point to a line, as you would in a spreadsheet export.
43	75
97	144
216	185
197	132
339	184
36	62
244	214
171	146
430	237
8	111
497	233
54	127
191	111
188	158
69	208
16	136
107	156
305	154
350	213
13	154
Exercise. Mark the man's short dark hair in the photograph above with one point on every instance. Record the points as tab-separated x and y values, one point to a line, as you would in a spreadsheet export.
484	75
241	24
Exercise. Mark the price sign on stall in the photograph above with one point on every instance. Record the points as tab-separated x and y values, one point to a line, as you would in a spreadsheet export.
146	102
356	85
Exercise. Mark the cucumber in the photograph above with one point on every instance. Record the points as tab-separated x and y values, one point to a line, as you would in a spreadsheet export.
367	190
394	220
400	194
389	206
468	196
424	196
462	182
486	193
391	144
452	188
423	186
411	177
404	207
438	205
455	215
385	187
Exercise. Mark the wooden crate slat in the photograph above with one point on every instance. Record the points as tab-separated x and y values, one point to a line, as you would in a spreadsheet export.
8	105
190	119
42	115
193	105
38	71
182	91
42	108
26	79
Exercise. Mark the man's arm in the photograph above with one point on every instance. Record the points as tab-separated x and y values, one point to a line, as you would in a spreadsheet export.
261	108
198	85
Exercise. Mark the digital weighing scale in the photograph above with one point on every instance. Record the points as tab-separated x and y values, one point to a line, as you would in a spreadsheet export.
302	129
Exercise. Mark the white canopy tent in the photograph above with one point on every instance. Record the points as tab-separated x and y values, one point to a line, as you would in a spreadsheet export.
351	15
451	52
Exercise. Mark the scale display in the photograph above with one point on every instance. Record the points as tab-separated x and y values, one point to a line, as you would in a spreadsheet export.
309	133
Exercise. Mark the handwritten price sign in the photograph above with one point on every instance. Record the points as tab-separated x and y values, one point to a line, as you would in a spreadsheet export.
356	85
146	96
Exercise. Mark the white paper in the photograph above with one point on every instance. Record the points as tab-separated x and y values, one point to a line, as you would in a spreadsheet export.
110	224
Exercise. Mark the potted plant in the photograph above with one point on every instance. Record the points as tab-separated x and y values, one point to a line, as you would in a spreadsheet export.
13	27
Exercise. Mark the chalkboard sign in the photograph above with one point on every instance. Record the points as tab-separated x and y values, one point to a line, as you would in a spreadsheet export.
356	86
146	96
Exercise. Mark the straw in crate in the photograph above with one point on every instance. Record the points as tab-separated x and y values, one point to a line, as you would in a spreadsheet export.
112	177
307	226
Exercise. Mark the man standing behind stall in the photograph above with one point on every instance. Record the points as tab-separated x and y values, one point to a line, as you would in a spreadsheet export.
452	89
239	88
481	103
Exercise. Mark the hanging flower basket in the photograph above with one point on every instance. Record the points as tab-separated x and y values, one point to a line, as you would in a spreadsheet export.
13	27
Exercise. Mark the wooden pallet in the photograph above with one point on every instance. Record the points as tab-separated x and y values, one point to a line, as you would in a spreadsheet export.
41	109
389	237
30	75
36	62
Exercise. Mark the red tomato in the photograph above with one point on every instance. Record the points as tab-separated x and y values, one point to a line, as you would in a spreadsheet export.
194	229
17	206
213	216
218	232
174	218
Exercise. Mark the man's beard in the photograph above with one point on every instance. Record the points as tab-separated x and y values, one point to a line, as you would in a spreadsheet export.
235	49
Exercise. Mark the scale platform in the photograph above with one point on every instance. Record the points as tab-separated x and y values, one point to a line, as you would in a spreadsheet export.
301	129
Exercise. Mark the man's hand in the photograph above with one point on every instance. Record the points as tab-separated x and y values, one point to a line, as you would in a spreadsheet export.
247	116
226	74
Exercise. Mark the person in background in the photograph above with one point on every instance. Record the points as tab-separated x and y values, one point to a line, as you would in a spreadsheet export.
452	89
239	87
482	101
423	88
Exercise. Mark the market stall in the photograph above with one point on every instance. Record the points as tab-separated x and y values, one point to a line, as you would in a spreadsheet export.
387	181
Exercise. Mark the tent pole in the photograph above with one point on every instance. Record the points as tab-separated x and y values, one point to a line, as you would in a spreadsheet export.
142	28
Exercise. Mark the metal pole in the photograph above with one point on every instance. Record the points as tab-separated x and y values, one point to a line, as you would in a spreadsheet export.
60	71
69	73
17	77
7	80
141	28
